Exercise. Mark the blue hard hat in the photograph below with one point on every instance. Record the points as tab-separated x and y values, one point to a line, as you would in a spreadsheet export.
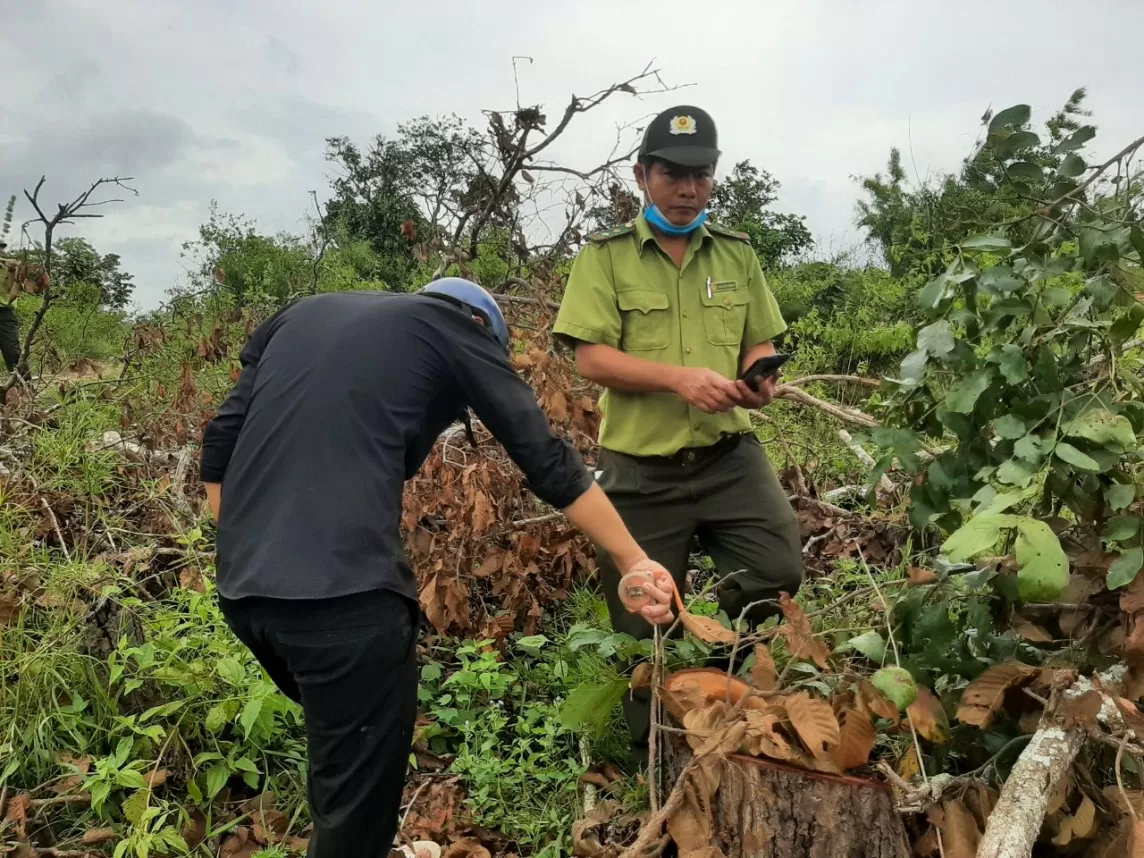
478	299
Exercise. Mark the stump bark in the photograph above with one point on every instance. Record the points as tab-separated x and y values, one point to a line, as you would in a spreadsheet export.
768	810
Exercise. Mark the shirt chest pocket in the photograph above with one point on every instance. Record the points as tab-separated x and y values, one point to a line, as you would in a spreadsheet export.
725	313
646	320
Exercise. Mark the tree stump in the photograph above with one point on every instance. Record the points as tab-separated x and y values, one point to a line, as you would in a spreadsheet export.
765	809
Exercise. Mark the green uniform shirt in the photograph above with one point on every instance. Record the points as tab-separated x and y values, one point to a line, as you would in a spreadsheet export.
625	291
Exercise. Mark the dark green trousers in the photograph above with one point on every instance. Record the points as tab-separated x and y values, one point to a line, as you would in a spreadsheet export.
727	496
9	337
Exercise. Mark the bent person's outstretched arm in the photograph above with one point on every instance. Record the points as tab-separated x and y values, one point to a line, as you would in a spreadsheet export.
554	469
221	433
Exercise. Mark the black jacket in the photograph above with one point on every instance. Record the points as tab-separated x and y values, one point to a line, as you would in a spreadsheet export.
341	398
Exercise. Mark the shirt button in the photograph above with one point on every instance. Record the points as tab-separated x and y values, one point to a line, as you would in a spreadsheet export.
685	315
688	349
726	302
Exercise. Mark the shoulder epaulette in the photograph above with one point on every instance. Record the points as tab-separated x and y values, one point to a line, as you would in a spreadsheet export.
719	229
606	234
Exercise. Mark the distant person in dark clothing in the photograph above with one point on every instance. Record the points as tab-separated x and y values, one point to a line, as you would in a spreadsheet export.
9	323
340	399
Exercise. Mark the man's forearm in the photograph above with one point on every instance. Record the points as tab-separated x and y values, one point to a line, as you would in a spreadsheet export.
611	368
214	497
753	353
594	514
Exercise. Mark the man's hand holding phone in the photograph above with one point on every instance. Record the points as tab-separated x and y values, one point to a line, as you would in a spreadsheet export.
757	383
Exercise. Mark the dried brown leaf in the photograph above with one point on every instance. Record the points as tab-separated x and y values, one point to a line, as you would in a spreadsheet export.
1080	711
918	576
94	836
814	721
985	695
466	847
1137	840
764	737
156	778
1132	596
17	813
928	717
800	636
707	629
856	738
1030	631
1084	820
764	675
959	833
877	702
641	676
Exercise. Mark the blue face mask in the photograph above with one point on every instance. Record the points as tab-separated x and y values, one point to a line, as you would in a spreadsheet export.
655	218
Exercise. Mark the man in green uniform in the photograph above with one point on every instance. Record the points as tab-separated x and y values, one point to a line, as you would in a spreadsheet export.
665	312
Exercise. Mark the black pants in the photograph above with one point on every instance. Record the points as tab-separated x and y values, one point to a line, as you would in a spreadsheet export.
727	496
351	663
9	337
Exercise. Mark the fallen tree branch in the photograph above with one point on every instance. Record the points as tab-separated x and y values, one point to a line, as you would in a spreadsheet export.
849	415
850	379
1016	820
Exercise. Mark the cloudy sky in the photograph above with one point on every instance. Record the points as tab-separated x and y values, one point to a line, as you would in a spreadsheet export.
232	100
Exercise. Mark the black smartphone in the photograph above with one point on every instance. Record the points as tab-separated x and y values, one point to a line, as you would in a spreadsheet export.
763	367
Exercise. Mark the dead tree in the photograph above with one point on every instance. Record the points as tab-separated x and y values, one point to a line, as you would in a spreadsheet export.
66	214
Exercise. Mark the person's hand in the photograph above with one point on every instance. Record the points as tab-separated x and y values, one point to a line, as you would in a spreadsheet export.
657	592
707	390
749	398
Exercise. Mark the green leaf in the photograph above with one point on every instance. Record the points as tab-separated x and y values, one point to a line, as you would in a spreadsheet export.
1120	495
590	706
1000	503
533	644
1055	296
963	396
979	534
934	292
1026	170
1031	448
1124	568
936	339
1042	566
217	718
870	644
1015	473
914	366
1010	117
217	776
250	713
1069	453
1010	427
1136	239
1000	280
1013	365
987	243
231	671
1102	291
1016	142
1072	166
1122	528
1126	327
130	779
1101	426
1077	139
134	805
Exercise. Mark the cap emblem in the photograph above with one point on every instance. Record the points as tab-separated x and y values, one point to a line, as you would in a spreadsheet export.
682	125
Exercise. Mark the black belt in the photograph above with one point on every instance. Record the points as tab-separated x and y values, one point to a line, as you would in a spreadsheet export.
694	455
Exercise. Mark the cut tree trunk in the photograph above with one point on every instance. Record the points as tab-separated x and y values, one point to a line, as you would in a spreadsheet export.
768	810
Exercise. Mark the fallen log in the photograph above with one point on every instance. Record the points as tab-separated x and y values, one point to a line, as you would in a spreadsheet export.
1015	823
765	809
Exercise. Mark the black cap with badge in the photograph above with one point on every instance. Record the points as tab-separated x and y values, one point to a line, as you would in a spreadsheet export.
683	135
